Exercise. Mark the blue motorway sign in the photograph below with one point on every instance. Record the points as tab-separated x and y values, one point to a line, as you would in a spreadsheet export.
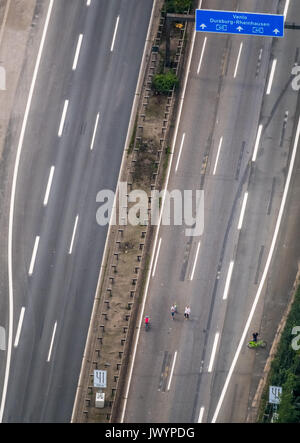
248	23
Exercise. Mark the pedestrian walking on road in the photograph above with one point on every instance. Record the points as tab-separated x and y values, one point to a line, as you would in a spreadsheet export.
187	311
173	310
147	322
255	335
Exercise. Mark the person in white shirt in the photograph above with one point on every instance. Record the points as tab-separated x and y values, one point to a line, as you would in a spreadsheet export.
187	311
173	310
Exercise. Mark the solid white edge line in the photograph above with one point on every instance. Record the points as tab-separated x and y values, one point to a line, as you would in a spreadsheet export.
218	154
52	340
157	230
33	257
213	353
46	198
63	117
240	224
88	2
172	370
94	133
179	155
274	63
115	33
157	254
19	327
228	279
201	57
238	60
195	261
11	210
77	52
257	142
286	8
73	235
264	276
201	414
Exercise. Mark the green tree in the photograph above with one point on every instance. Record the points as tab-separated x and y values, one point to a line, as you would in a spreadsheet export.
178	6
285	371
163	83
287	412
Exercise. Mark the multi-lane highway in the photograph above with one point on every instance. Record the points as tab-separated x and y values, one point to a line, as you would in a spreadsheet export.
237	139
69	146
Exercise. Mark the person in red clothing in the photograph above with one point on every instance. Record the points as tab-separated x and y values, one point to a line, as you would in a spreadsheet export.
147	322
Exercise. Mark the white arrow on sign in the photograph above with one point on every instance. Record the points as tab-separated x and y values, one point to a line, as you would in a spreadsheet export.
276	31
239	28
203	26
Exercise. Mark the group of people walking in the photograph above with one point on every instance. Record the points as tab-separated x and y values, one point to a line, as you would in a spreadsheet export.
187	311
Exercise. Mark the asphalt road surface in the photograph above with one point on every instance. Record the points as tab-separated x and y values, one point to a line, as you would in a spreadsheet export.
72	149
237	139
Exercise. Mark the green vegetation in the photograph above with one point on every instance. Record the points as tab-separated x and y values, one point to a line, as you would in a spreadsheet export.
178	6
163	83
288	412
285	372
